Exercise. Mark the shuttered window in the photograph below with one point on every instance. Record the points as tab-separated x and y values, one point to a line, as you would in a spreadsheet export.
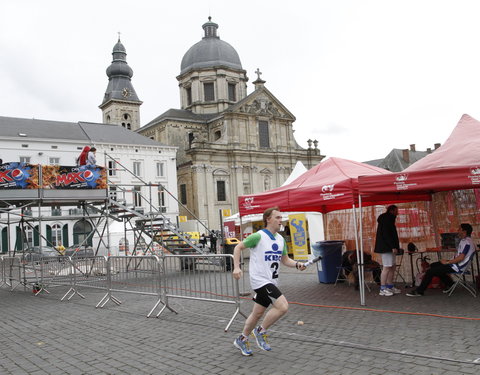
263	134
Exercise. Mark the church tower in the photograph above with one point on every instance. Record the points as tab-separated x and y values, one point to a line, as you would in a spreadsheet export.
120	104
211	75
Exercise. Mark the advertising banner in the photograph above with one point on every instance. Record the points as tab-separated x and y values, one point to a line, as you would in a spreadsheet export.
298	233
16	175
67	177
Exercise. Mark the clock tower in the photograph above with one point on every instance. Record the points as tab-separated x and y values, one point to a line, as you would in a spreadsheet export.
120	104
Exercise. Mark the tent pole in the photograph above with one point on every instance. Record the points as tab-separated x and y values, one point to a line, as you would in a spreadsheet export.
357	250
360	272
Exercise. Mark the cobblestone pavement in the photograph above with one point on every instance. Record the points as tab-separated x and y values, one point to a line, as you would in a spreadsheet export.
390	335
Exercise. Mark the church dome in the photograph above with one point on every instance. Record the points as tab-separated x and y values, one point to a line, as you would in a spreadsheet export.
210	52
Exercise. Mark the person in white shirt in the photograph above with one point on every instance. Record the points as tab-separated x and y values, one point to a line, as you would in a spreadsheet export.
91	159
465	251
267	250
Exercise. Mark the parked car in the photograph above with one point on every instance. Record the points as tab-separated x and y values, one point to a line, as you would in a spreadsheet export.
78	251
35	253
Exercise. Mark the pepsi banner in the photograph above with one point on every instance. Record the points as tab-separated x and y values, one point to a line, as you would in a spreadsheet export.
16	175
66	177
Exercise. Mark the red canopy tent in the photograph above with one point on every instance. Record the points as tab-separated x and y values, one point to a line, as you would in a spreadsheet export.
453	166
329	186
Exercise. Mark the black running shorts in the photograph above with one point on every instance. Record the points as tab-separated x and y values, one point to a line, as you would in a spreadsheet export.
263	296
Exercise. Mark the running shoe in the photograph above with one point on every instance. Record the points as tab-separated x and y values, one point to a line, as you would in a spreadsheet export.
386	292
261	338
243	345
414	293
395	290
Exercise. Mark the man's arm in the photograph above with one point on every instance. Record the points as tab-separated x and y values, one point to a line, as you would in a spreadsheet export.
237	271
292	263
455	260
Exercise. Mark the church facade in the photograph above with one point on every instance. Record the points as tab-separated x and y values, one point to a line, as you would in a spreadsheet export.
230	143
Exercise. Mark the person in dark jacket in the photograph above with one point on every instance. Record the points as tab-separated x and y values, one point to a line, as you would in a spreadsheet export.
387	244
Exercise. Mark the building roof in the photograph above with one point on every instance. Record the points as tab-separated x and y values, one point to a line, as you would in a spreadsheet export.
84	132
181	115
398	159
119	78
210	52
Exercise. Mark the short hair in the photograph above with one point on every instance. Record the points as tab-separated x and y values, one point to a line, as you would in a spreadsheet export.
93	149
467	228
391	208
268	212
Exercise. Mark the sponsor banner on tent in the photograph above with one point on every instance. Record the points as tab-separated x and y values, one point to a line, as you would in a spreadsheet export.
298	232
66	177
16	175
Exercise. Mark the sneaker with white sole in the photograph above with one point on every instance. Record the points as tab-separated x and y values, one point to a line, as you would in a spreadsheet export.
395	290
243	345
414	293
261	338
385	293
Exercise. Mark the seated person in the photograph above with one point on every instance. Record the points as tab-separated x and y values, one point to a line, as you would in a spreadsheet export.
465	250
350	265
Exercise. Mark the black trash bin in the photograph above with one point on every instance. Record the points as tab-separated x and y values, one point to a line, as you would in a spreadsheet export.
228	247
331	253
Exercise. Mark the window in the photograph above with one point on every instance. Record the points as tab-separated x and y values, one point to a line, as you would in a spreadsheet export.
263	134
24	159
183	194
160	169
56	235
112	168
221	192
232	95
189	95
191	137
162	202
209	92
56	211
29	236
218	135
54	161
54	147
137	197
137	168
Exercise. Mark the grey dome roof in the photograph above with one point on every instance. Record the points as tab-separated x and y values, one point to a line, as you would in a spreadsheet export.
210	52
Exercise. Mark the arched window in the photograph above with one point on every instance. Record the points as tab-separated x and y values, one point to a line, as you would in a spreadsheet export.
57	235
218	135
81	231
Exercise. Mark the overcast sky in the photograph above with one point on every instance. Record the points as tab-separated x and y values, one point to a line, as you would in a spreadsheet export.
361	77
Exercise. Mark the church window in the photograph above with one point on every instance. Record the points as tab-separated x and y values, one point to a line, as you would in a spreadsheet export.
218	134
189	95
123	124
232	92
209	91
263	134
108	119
126	116
183	194
221	191
129	127
191	137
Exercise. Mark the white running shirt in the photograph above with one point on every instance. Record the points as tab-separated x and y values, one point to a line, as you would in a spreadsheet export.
466	247
266	252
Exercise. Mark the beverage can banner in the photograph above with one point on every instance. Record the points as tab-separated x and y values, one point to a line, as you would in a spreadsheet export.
66	177
15	175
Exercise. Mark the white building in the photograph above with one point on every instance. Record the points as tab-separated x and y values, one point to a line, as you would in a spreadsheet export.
140	171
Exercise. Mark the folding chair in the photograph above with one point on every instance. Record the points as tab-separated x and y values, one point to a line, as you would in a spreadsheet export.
460	279
341	275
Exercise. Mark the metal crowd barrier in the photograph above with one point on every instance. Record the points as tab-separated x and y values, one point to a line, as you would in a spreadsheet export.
200	277
134	275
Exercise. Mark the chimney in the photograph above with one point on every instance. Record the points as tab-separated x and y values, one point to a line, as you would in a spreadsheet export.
406	155
437	145
429	150
412	147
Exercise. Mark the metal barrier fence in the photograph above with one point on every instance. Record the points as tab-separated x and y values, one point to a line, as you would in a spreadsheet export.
200	277
195	277
134	275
